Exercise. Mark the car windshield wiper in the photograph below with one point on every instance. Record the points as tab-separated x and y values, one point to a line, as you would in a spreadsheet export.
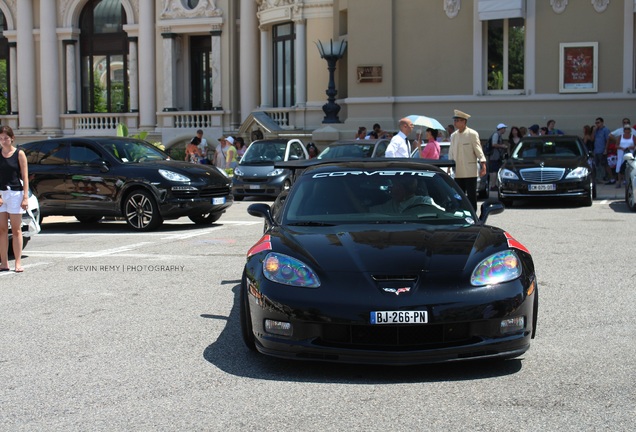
309	223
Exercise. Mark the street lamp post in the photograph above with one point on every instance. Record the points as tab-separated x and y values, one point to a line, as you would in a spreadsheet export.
332	52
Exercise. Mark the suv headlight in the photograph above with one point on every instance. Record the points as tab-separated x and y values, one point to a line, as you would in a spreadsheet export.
173	176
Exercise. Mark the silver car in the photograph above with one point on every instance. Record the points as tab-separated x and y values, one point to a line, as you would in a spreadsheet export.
630	180
34	206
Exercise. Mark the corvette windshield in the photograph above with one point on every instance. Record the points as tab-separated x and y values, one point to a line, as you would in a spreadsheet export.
384	196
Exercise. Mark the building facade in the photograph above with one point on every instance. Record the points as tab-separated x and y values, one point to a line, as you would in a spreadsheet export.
251	67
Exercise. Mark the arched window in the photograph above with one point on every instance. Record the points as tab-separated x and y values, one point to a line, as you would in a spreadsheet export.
104	57
5	95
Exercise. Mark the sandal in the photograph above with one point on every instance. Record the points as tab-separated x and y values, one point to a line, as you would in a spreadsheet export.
4	269
19	269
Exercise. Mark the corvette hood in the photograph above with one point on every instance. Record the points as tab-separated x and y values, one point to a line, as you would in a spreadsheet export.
397	250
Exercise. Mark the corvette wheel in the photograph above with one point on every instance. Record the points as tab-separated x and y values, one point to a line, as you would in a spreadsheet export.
629	196
141	212
205	219
246	319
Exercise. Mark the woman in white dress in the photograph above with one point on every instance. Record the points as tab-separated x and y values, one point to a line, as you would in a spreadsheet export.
626	144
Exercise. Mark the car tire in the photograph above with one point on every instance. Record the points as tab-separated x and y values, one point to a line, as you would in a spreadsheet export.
88	219
141	211
535	313
630	199
588	200
25	241
247	331
286	185
485	192
205	219
507	202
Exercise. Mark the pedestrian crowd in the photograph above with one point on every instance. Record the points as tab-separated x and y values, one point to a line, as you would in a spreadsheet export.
466	149
225	155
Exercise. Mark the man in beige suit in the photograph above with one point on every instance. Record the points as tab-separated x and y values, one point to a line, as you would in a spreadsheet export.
465	149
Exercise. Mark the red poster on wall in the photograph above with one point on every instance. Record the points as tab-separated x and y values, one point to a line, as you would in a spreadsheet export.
578	67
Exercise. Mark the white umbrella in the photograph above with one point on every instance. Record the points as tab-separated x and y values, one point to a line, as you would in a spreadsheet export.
427	122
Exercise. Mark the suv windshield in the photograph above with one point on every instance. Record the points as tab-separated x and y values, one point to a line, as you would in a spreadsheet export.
133	151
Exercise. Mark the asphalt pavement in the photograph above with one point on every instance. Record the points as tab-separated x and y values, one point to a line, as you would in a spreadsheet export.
604	191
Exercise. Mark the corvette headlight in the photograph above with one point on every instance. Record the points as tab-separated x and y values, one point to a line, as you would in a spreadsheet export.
506	174
286	270
579	172
276	172
173	176
500	267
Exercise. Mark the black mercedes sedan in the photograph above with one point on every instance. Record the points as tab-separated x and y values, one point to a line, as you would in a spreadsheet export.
94	177
384	261
549	166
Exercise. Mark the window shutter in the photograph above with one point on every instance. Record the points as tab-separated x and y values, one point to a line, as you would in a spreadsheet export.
501	9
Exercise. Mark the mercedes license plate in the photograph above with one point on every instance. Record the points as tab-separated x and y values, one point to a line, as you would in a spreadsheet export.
399	317
255	186
542	187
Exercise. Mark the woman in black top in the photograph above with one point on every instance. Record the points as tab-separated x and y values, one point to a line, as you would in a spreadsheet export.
14	197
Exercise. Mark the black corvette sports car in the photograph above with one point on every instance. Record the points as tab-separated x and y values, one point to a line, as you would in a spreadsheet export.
385	261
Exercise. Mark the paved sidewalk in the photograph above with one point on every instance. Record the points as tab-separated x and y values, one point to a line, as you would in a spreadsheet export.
604	191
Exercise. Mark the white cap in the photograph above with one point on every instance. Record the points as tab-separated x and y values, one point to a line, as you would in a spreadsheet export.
501	126
230	139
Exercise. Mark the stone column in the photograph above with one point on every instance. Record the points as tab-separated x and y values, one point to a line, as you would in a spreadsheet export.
13	77
71	77
266	65
147	66
217	102
169	72
248	59
27	83
301	63
49	68
133	80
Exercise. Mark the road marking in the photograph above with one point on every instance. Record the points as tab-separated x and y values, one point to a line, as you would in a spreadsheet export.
181	235
118	250
27	266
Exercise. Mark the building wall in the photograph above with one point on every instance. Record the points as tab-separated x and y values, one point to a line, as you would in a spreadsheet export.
431	64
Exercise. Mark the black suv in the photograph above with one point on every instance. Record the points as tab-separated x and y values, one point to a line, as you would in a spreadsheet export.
93	177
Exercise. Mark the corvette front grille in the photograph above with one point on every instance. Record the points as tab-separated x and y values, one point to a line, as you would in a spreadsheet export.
396	337
384	278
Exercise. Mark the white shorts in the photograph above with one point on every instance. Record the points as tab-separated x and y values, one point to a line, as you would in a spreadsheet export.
11	202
